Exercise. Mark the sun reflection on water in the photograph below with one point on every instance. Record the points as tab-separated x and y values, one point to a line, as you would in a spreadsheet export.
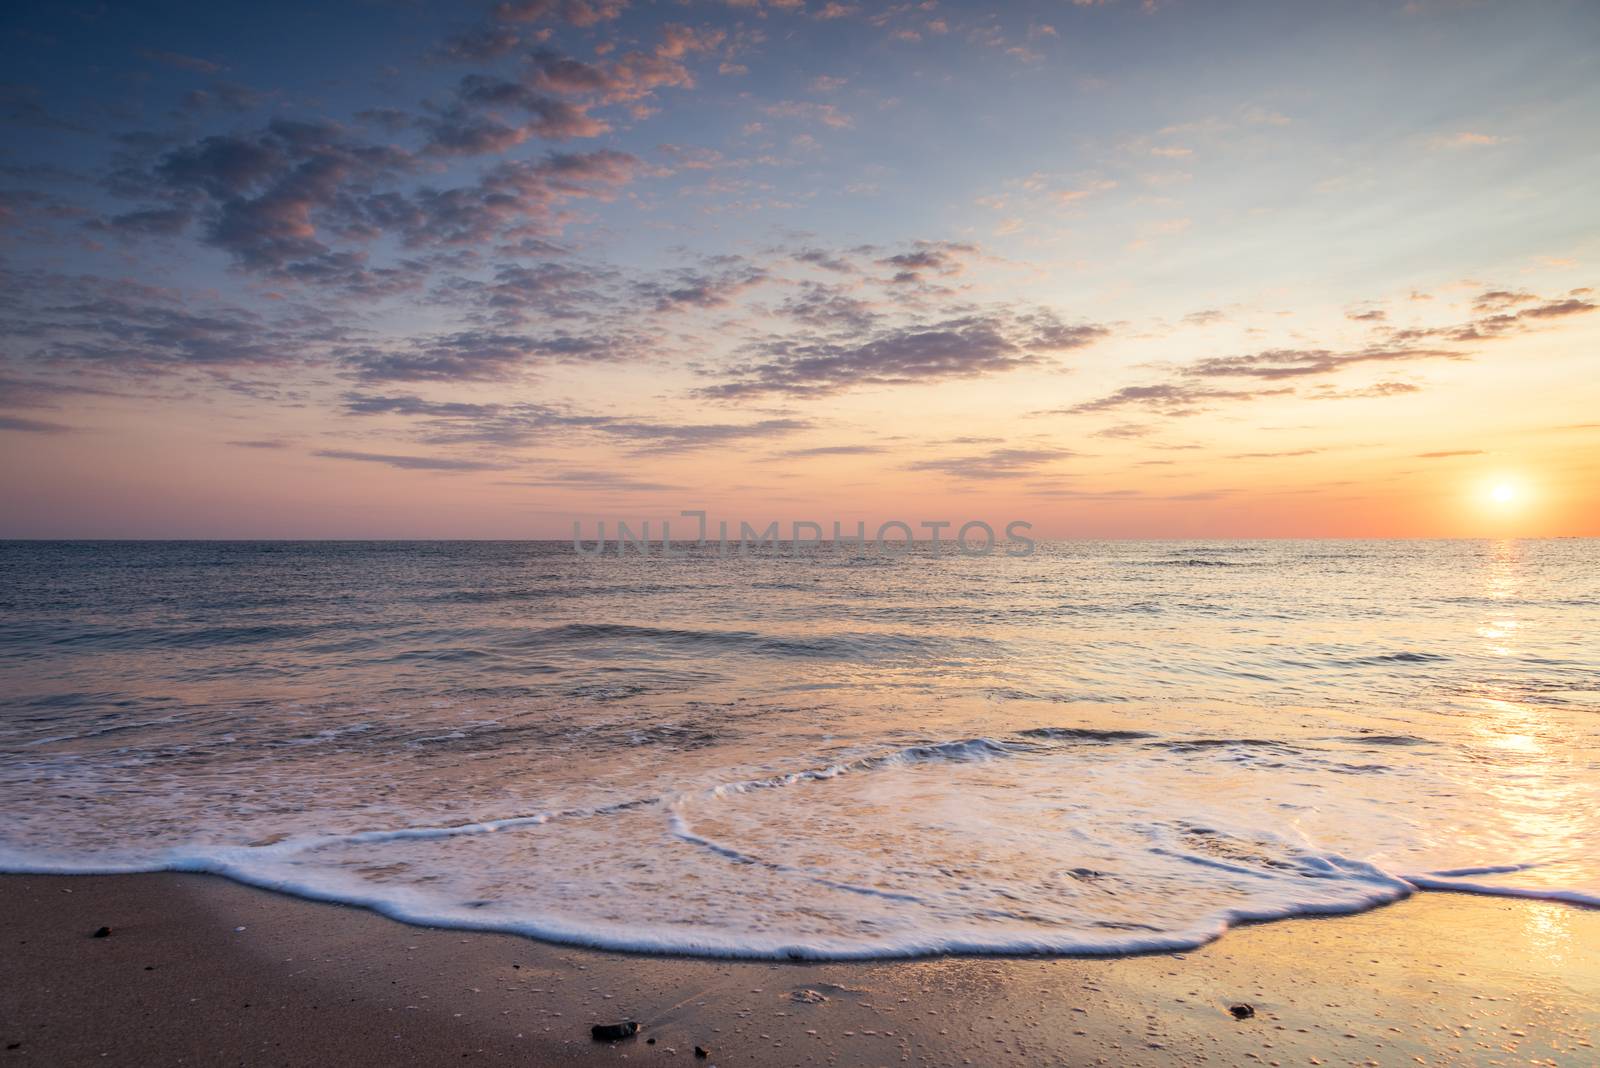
1541	811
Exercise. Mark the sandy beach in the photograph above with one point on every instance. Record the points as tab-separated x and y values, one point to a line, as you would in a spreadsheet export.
199	970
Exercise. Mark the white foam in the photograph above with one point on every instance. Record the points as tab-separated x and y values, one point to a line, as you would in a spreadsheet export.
1033	843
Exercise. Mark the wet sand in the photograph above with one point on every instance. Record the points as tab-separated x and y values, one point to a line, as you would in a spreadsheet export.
198	970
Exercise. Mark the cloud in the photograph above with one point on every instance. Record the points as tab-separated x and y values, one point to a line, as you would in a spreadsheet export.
1556	309
810	111
570	296
471	355
478	45
300	201
370	404
464	129
939	257
830	307
1502	321
656	438
1452	452
272	443
591	480
221	96
122	325
697	289
1465	139
182	62
1285	364
20	106
1499	300
1377	389
969	346
459	423
151	222
1259	116
1171	399
997	463
1119	495
518	293
1274	455
831	450
1124	431
25	207
408	463
826	260
1070	196
1297	363
573	12
31	426
1501	312
453	423
626	79
262	193
42	393
513	198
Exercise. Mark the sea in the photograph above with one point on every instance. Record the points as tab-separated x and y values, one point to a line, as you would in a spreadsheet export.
1101	747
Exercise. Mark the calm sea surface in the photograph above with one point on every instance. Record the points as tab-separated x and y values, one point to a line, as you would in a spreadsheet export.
1102	747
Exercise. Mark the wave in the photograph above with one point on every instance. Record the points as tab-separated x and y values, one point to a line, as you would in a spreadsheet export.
411	908
911	904
865	645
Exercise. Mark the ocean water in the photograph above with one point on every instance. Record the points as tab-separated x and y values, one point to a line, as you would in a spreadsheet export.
1103	747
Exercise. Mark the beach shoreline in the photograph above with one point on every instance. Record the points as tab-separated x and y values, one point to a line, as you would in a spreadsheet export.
197	969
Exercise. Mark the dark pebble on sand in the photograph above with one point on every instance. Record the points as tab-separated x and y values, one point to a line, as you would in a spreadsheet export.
612	1032
1241	1012
103	932
702	1052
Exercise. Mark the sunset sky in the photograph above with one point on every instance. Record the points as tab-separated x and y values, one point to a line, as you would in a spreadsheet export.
1177	268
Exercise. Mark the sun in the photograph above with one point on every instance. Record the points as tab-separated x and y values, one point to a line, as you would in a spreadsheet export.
1505	496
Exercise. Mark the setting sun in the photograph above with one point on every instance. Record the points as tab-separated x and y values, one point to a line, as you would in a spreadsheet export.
1503	493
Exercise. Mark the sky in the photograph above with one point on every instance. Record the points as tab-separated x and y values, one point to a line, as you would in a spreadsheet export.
1115	269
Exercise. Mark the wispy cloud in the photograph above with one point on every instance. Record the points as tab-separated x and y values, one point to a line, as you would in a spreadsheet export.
832	450
1169	399
588	479
997	463
1465	139
408	463
31	426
